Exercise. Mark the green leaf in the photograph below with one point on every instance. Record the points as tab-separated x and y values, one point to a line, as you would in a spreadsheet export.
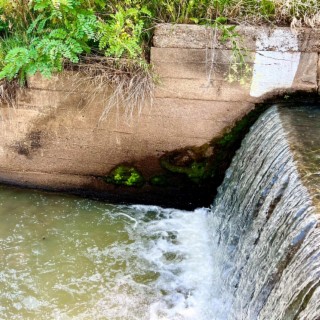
195	20
221	20
58	34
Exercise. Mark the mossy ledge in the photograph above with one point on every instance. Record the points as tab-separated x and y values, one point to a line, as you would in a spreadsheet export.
201	168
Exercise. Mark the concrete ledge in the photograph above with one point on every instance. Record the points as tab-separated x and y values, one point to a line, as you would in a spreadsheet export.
254	38
198	72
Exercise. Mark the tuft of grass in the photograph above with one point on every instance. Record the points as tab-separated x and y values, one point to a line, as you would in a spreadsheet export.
132	83
8	92
296	13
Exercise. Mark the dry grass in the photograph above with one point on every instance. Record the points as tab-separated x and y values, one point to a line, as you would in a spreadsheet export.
8	92
302	12
296	13
124	84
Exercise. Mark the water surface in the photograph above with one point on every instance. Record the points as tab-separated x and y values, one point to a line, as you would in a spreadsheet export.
69	258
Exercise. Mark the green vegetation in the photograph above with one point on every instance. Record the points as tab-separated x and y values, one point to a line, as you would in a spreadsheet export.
159	180
194	163
45	35
126	176
207	163
42	35
196	171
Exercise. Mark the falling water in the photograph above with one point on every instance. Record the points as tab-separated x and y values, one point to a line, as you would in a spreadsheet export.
267	223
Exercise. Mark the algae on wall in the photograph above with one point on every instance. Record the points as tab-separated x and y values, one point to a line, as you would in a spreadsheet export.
125	175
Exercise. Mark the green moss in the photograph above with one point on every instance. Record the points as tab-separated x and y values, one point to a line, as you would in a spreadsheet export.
235	133
196	171
205	165
125	175
209	161
160	180
230	140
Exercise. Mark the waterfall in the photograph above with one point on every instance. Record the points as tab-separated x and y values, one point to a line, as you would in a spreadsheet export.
268	230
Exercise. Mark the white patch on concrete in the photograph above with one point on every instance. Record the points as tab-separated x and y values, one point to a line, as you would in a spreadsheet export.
282	40
276	67
273	70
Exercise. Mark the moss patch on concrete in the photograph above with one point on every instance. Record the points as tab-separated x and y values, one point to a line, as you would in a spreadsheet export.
191	162
190	176
126	176
205	165
159	180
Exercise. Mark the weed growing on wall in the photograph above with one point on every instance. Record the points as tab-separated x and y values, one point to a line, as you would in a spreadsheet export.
239	70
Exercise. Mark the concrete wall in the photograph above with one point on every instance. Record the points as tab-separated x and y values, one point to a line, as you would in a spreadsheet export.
54	139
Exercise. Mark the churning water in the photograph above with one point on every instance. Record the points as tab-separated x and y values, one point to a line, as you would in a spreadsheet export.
254	255
65	258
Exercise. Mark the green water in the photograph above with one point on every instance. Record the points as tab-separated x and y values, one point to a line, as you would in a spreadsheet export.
58	256
68	258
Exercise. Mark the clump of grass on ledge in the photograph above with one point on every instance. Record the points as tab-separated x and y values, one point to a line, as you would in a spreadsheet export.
252	12
47	35
8	92
131	82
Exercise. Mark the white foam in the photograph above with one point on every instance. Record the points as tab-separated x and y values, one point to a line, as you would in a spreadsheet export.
187	278
111	262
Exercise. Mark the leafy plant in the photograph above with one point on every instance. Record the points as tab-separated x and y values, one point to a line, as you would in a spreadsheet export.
60	31
42	35
239	69
121	35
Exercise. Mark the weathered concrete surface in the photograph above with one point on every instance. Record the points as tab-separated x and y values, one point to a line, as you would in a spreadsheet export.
318	74
273	72
54	137
254	38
